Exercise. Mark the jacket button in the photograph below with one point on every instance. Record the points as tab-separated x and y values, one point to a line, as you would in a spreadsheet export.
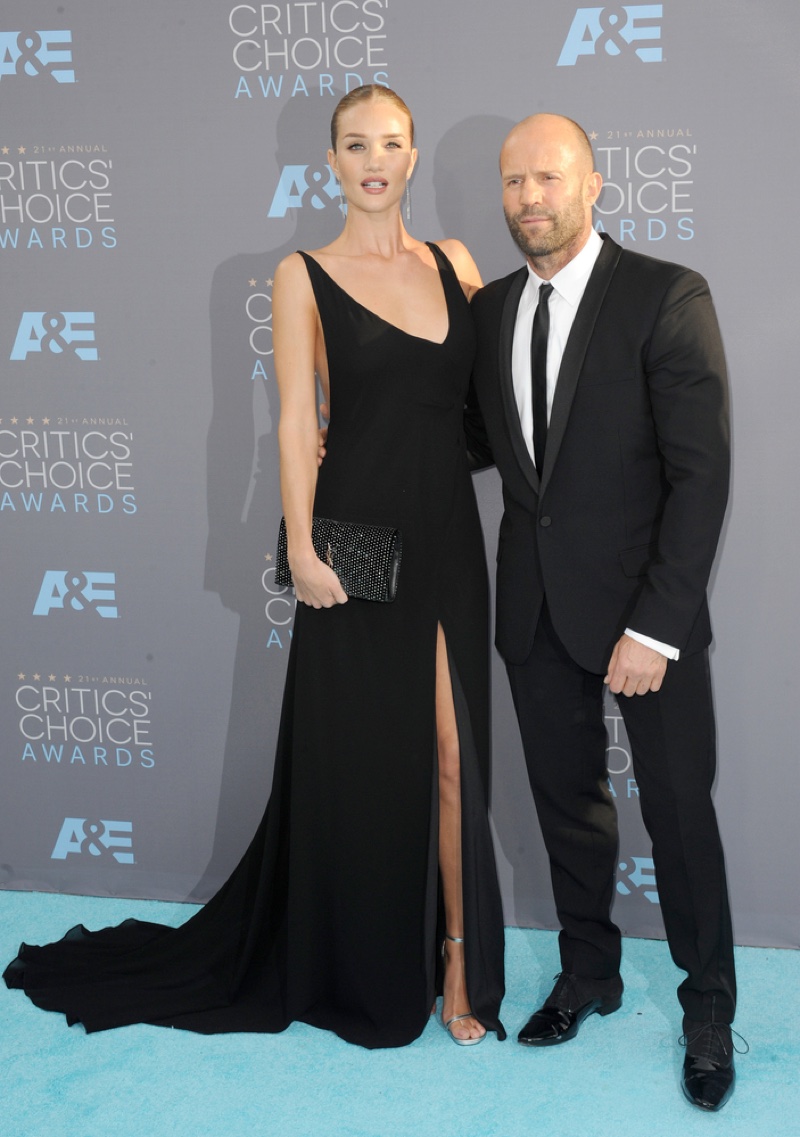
544	522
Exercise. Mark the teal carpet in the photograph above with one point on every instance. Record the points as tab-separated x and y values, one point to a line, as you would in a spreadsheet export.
619	1078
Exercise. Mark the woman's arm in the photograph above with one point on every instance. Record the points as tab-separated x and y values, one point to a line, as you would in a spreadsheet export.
295	328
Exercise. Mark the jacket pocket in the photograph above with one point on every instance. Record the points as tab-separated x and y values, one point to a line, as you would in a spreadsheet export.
637	560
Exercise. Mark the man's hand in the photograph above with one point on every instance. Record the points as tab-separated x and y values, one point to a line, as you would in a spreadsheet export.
635	669
323	434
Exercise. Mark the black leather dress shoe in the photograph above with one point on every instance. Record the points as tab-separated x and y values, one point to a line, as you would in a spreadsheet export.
571	1001
708	1073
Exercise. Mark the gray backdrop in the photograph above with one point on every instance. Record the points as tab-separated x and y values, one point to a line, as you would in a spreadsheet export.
157	160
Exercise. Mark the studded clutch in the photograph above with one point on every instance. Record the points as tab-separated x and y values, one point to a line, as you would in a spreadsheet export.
366	558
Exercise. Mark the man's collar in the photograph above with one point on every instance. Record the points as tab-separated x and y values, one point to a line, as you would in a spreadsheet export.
570	281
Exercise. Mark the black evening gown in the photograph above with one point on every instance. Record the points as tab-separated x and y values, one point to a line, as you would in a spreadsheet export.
334	915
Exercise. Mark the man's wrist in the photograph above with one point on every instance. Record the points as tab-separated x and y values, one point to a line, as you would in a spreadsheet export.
666	649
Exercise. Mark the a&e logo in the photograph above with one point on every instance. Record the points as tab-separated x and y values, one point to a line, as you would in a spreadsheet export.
642	875
295	182
37	53
98	838
56	333
614	31
77	592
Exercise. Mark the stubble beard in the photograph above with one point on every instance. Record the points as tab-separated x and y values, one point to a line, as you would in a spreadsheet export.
566	229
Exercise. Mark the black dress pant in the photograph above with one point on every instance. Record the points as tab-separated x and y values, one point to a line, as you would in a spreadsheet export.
673	747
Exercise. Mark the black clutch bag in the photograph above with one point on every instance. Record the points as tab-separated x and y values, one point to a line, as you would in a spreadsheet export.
366	558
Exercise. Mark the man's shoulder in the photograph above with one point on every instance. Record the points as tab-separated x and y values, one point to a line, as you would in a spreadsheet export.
645	267
496	290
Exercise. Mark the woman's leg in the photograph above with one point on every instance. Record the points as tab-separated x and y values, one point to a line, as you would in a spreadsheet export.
456	999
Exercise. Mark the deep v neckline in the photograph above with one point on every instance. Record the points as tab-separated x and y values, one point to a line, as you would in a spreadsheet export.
382	319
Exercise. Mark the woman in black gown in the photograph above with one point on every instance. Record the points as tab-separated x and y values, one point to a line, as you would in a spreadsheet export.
375	847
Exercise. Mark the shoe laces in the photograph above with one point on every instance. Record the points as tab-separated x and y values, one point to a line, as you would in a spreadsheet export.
565	984
715	1031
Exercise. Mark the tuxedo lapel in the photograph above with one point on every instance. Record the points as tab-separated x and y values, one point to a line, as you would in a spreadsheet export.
575	350
510	410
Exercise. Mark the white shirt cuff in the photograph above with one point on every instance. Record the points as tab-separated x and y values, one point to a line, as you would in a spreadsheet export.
665	649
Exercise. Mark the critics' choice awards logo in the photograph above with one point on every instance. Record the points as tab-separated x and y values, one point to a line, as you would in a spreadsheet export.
66	466
37	55
81	836
94	722
648	181
301	48
611	32
258	313
300	186
279	606
56	333
81	591
56	197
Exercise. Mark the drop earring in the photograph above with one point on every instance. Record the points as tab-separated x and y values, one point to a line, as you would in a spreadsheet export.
342	200
408	202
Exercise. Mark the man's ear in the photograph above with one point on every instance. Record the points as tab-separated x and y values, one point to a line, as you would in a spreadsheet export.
594	183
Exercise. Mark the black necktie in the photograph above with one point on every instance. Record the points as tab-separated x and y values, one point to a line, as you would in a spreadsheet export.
541	330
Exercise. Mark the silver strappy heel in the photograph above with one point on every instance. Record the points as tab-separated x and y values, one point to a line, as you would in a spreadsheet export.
457	1018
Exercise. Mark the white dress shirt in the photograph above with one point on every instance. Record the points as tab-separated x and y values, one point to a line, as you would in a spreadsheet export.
569	286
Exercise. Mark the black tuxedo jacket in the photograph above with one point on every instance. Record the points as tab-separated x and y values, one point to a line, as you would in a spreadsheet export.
622	529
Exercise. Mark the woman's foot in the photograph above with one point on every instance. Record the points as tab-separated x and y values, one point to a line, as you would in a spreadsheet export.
457	1017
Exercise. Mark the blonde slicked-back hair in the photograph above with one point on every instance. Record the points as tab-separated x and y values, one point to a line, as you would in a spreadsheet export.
365	94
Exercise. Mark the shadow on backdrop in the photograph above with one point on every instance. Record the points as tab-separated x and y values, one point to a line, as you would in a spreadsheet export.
466	182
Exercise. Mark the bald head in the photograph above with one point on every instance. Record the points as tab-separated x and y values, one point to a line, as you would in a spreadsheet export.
557	130
549	188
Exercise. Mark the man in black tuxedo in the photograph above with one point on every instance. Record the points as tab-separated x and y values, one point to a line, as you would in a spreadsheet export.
605	410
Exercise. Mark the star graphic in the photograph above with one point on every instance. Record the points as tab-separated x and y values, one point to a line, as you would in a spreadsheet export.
268	556
4	150
67	678
20	149
29	421
36	678
20	675
45	422
14	421
593	136
269	283
51	678
252	282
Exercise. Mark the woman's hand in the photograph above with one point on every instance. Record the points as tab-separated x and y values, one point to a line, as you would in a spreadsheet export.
316	584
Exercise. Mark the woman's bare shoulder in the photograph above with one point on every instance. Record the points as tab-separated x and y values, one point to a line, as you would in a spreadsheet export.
292	290
450	246
292	267
461	259
291	276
